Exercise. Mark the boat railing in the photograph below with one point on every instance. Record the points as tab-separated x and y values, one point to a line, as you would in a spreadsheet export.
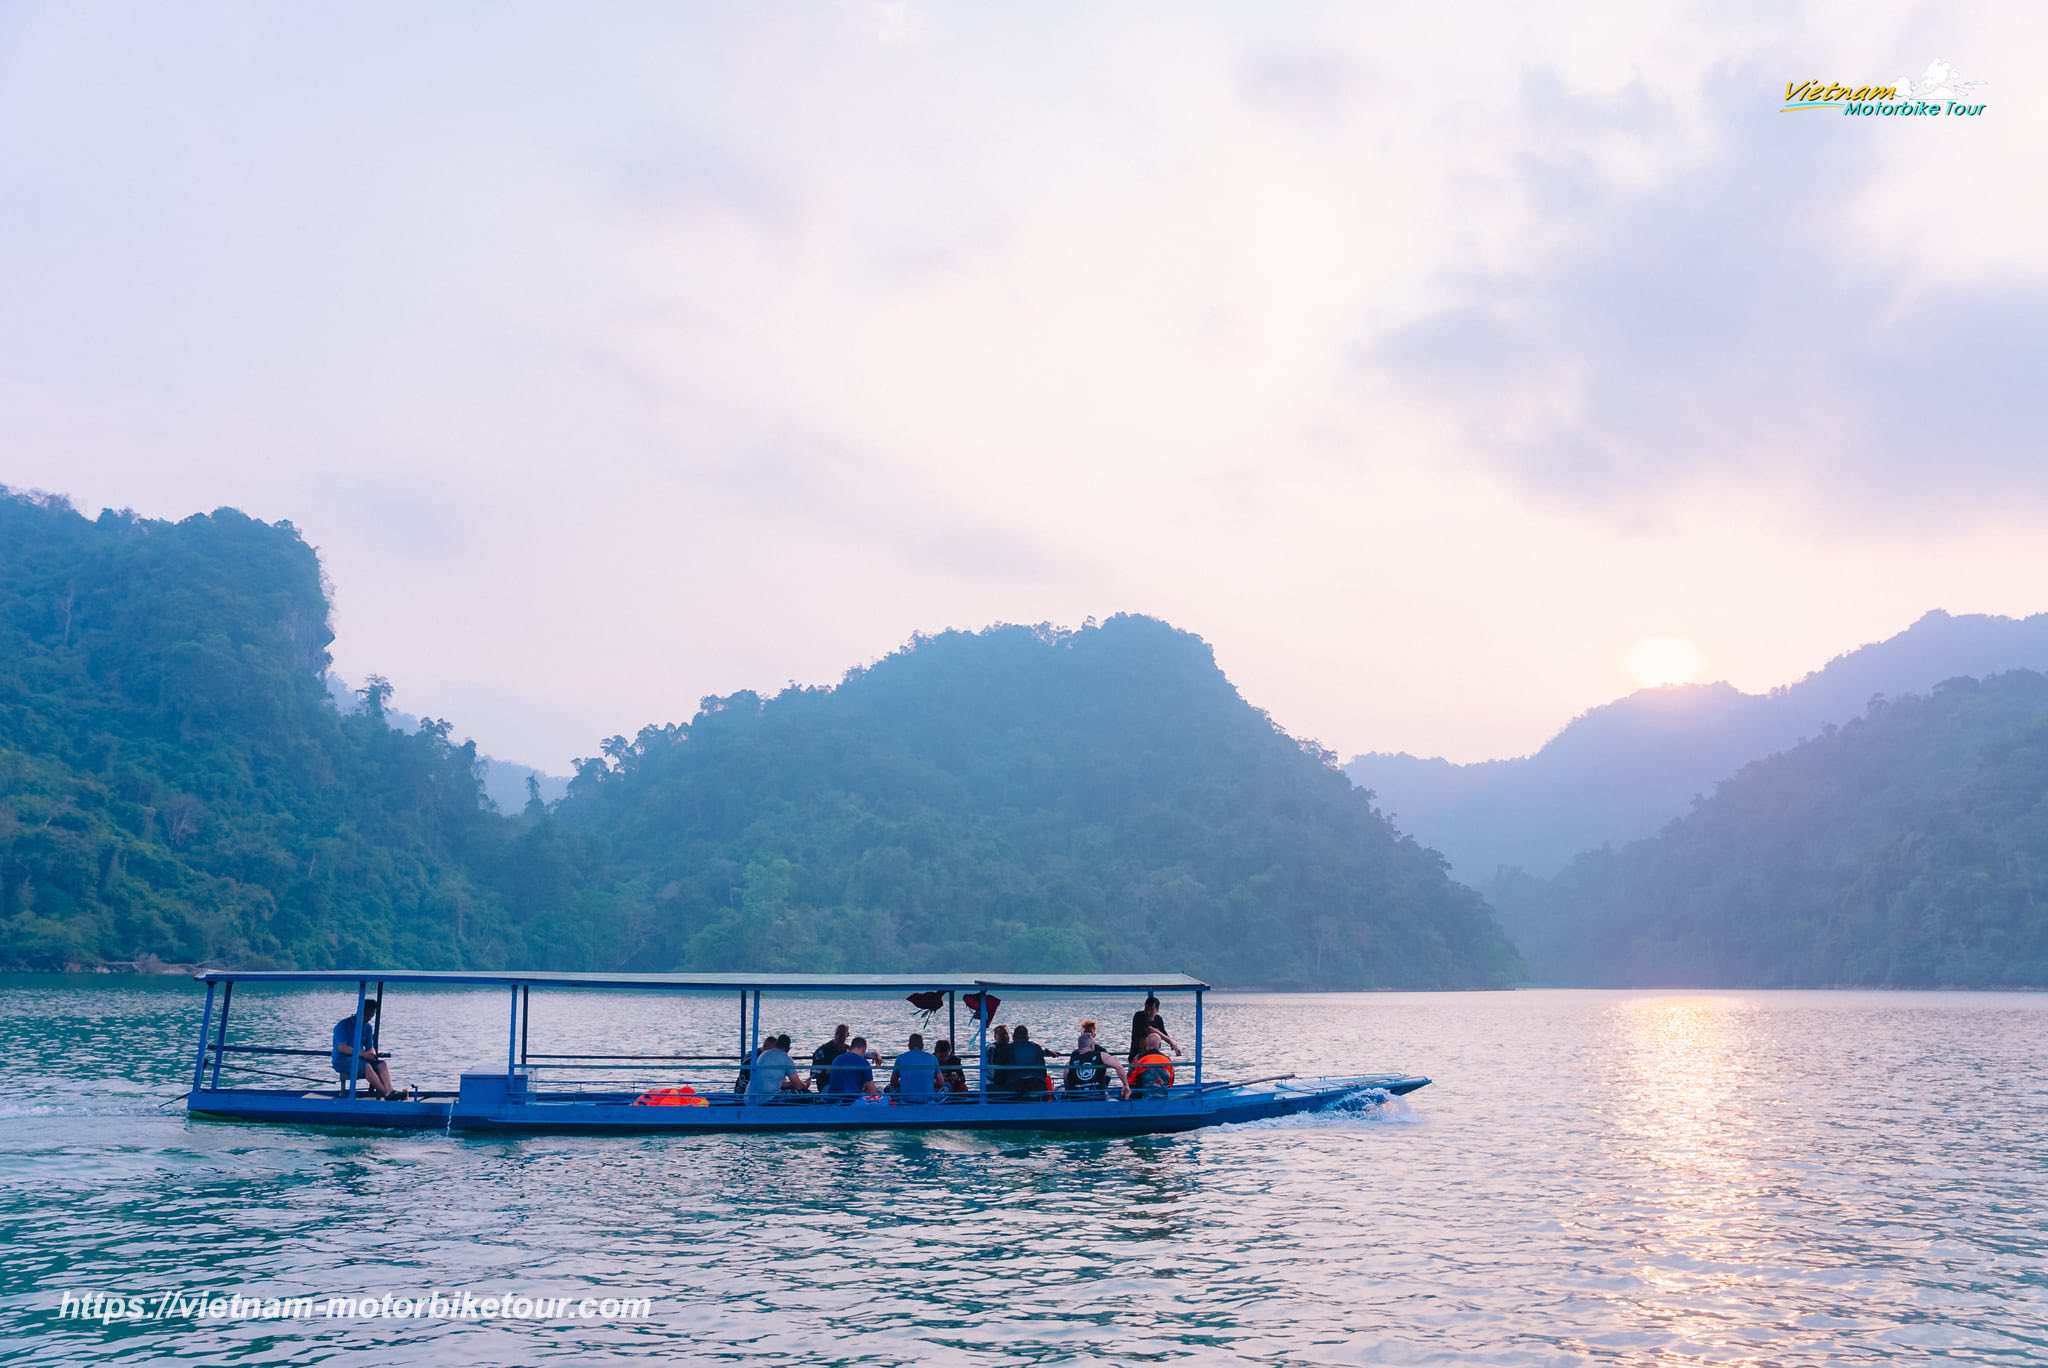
566	1076
551	1074
283	1050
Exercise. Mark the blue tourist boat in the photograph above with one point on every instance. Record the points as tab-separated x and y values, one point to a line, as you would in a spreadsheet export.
610	1092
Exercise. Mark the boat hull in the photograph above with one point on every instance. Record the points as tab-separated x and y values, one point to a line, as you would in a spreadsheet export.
492	1103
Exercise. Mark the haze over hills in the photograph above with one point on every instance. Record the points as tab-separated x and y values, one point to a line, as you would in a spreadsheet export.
176	781
1907	848
504	781
1622	770
1097	798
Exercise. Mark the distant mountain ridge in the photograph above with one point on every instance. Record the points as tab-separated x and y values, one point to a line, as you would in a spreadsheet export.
1622	770
178	784
1076	800
175	782
1906	848
504	781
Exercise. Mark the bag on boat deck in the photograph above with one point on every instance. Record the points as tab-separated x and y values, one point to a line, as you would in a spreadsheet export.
1151	1073
681	1096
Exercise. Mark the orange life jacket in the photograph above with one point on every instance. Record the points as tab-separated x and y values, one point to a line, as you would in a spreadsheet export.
681	1096
1150	1061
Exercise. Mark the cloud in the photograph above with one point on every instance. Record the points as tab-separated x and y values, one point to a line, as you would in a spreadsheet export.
1734	323
1419	359
675	172
1318	88
396	518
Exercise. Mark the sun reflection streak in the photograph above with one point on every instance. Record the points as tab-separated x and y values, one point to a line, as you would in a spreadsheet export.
1687	1109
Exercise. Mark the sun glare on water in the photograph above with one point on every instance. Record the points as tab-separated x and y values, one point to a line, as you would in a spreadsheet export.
1661	660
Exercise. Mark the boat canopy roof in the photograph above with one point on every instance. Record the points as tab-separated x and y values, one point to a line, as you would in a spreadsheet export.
788	983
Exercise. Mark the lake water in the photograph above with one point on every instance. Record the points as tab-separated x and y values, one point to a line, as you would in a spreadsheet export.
1630	1176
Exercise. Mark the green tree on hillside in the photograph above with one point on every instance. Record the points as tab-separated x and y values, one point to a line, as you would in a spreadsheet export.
1908	848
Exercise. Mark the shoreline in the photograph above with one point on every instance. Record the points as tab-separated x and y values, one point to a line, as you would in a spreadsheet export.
164	973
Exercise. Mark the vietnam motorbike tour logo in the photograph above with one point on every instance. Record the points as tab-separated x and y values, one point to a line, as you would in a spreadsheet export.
1938	91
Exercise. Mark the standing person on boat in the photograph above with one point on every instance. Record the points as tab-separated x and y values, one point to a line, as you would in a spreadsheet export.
771	1070
1151	1072
915	1077
1144	1022
1027	1067
373	1072
822	1057
1090	1067
851	1073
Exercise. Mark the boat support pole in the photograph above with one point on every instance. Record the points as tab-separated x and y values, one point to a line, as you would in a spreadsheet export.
981	1073
512	1035
952	1024
205	1025
220	1042
1198	1040
355	1059
525	1018
754	1045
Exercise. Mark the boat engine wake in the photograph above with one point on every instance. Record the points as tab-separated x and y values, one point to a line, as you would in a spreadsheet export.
1367	1107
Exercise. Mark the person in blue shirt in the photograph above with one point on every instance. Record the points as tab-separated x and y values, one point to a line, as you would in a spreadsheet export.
851	1073
772	1071
915	1077
375	1075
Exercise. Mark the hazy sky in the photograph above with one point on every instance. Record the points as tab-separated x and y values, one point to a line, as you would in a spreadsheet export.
1423	362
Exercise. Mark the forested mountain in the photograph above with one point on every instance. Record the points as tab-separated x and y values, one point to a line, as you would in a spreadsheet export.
1623	769
1071	800
1906	848
175	781
504	781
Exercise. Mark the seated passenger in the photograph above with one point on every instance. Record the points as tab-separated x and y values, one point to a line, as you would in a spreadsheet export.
851	1073
771	1070
822	1057
1027	1072
999	1061
1090	1066
373	1074
952	1073
915	1077
1151	1071
796	1082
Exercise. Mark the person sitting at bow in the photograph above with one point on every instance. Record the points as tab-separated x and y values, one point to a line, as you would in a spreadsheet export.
368	1065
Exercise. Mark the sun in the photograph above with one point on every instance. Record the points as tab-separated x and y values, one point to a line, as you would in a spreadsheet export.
1659	661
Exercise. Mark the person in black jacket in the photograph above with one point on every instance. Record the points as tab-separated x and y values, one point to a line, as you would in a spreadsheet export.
1090	1067
822	1057
999	1061
1144	1022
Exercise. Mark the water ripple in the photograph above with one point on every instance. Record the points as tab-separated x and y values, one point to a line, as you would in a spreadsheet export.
1682	1178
